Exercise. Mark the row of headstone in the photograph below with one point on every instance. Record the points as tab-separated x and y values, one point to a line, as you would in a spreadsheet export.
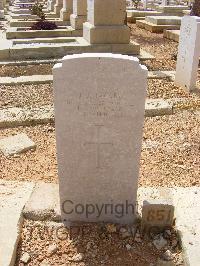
174	2
152	4
99	118
188	53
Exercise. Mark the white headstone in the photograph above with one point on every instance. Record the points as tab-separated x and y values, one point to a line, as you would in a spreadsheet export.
165	2
99	115
106	22
188	53
145	4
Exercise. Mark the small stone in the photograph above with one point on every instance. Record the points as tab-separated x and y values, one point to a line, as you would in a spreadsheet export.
128	247
25	258
50	129
78	257
122	230
138	238
168	232
124	233
167	256
111	228
16	155
133	230
159	242
174	243
51	250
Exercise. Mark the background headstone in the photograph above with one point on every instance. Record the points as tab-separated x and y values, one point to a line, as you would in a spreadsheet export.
79	15
99	112
188	53
106	22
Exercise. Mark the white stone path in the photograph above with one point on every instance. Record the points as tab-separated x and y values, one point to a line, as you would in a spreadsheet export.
13	196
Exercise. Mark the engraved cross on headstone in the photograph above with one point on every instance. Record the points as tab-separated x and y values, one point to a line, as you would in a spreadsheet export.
98	145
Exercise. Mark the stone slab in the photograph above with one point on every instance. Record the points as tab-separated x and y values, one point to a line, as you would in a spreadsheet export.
29	62
164	20
172	10
17	33
29	23
60	50
142	13
13	117
155	28
157	107
142	57
43	79
16	144
172	35
44	203
187	222
13	196
34	79
133	19
161	74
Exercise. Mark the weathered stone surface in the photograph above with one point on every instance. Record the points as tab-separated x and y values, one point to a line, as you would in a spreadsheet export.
43	203
16	144
155	107
15	116
102	158
159	213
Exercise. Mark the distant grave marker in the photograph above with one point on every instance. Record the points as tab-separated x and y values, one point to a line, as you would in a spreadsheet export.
188	53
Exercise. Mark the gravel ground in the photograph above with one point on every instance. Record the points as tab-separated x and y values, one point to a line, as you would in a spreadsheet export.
97	245
26	95
170	155
163	49
39	165
38	95
15	71
163	88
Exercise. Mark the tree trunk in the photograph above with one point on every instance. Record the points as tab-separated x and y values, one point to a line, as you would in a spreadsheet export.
196	9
